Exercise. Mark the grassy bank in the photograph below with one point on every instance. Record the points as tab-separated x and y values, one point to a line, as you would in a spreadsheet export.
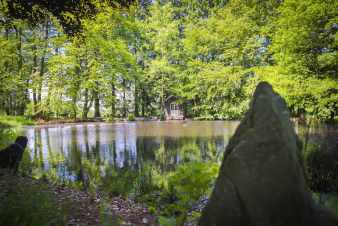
15	121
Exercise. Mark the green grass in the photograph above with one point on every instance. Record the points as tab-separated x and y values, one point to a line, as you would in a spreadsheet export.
25	202
14	121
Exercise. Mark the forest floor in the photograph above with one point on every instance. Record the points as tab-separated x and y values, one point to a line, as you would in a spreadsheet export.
77	207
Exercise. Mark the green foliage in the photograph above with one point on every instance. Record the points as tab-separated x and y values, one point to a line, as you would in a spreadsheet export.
332	203
322	168
173	194
30	205
7	136
304	46
305	36
191	181
207	55
15	121
187	185
165	221
131	117
313	96
163	49
126	183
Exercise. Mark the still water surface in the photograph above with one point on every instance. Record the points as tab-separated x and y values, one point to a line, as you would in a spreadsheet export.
123	157
133	158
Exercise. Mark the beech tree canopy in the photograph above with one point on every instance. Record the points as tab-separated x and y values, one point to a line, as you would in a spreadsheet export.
68	12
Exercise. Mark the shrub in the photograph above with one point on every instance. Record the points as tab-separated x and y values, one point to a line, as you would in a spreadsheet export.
192	180
188	184
131	117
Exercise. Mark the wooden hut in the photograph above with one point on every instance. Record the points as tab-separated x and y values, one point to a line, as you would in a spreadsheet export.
173	110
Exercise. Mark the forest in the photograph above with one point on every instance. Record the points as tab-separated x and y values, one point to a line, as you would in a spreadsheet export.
168	112
110	61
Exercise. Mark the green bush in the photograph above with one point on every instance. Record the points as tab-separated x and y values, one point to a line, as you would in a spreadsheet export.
192	180
131	117
7	136
188	184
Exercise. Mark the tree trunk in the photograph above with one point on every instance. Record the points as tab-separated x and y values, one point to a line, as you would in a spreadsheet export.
124	107
85	105
144	102
6	97
113	110
22	99
35	63
96	102
74	108
10	104
162	107
42	63
136	100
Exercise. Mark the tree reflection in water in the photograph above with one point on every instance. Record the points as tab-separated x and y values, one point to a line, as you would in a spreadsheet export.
122	158
133	158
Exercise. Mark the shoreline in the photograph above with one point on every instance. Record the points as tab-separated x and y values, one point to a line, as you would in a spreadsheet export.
19	121
54	122
82	207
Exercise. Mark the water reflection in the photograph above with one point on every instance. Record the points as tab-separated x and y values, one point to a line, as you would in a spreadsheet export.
136	158
102	155
130	157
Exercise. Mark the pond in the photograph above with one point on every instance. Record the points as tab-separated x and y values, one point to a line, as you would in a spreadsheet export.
128	153
133	159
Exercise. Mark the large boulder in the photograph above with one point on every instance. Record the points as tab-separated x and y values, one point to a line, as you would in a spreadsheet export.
261	180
